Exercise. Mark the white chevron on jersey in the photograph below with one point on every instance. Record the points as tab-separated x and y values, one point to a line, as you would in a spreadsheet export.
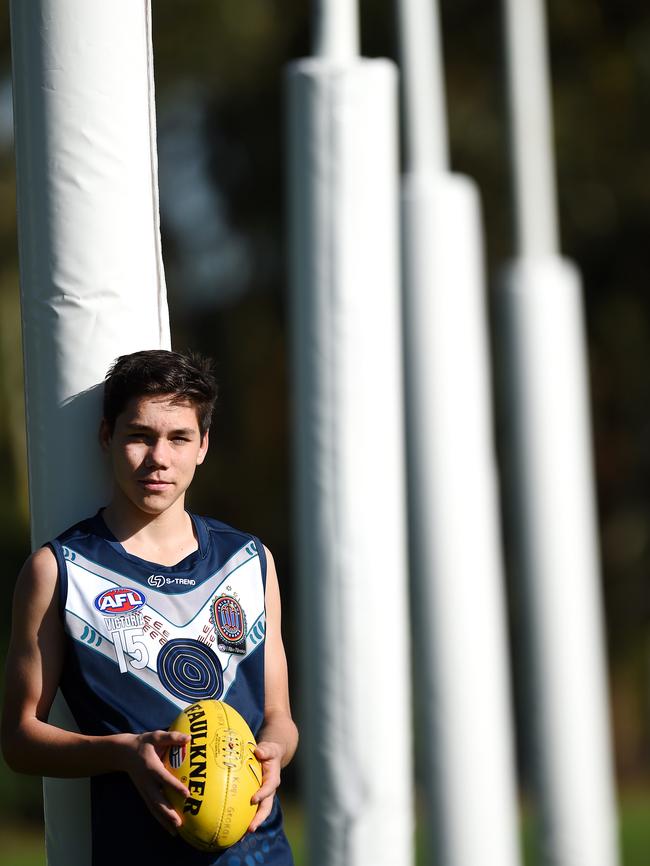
133	641
185	603
80	630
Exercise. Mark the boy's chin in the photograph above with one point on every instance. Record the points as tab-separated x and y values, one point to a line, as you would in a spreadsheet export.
154	504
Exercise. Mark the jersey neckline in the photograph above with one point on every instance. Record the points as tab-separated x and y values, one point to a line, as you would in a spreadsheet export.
187	563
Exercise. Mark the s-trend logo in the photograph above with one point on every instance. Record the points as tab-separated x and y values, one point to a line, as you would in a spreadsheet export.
156	580
159	580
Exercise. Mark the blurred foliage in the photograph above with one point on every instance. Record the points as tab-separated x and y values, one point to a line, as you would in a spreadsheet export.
233	55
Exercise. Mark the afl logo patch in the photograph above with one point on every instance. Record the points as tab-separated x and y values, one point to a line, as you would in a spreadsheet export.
230	621
120	599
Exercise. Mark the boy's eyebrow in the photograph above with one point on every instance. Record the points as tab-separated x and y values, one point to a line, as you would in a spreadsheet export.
143	428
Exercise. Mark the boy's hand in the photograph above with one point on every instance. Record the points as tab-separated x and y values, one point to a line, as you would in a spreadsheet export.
270	755
150	776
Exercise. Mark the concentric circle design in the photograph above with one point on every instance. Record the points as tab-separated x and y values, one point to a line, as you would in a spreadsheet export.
190	670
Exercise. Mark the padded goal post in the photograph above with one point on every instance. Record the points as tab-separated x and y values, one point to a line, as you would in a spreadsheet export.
92	283
349	461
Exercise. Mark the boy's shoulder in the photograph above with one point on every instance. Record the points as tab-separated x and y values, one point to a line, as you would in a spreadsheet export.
217	528
224	536
81	529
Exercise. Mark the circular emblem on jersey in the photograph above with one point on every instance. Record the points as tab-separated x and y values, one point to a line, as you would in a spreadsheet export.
120	599
229	618
190	670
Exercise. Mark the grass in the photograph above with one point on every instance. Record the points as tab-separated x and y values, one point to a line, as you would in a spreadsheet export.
21	846
635	828
25	846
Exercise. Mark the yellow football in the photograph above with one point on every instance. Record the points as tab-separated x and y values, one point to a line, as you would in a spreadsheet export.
221	772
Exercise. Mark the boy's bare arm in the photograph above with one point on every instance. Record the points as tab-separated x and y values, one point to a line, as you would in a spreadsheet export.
33	669
278	738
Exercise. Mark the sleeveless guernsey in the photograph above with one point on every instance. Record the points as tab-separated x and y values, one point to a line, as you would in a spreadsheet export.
142	642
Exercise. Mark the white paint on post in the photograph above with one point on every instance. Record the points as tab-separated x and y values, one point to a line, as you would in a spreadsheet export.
349	464
336	30
423	87
92	282
531	128
462	673
542	319
458	596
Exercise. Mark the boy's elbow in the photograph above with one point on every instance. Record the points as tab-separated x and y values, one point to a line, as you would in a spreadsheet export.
11	753
15	751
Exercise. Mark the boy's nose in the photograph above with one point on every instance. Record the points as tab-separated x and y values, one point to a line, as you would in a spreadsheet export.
158	454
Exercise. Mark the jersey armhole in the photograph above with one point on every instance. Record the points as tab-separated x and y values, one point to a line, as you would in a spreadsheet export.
62	584
262	555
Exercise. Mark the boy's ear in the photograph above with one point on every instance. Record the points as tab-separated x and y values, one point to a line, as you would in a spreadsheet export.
104	435
203	449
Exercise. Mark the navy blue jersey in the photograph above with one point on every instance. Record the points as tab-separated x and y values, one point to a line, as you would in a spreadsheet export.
145	640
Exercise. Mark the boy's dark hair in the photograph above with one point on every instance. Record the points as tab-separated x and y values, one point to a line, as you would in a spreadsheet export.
187	377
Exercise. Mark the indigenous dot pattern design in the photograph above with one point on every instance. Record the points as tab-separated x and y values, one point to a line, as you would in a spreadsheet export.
190	670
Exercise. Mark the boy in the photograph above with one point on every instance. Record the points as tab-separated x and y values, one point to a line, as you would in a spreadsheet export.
139	611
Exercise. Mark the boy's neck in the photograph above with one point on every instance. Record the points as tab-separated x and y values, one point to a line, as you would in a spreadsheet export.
164	538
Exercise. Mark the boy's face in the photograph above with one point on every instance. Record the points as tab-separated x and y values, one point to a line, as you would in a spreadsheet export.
155	448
